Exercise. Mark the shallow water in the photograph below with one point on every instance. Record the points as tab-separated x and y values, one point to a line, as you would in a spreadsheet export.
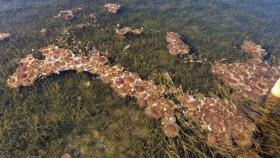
58	114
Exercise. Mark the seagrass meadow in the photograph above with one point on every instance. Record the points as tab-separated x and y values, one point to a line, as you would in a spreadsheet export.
74	114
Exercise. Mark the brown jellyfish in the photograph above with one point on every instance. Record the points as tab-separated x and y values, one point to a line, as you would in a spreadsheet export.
4	36
173	50
216	128
176	46
102	60
167	107
112	8
153	112
12	82
141	101
172	37
171	130
129	79
250	154
252	48
137	31
119	81
244	140
152	99
69	16
140	88
126	30
212	139
66	155
123	31
22	72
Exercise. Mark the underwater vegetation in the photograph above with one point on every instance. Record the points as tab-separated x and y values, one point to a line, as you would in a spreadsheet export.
92	112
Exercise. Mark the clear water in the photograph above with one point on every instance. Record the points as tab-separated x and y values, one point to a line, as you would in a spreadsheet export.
48	117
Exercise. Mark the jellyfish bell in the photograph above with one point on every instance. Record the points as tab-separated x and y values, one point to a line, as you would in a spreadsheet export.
126	30
22	72
175	45
244	141
251	154
212	139
171	130
119	81
153	112
139	88
4	36
12	82
112	8
172	37
152	100
69	16
275	91
66	155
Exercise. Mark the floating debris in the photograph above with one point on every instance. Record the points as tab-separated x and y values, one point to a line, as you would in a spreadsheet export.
124	31
112	8
175	45
275	91
4	36
252	79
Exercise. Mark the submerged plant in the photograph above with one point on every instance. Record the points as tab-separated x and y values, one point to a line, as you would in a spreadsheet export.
78	114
